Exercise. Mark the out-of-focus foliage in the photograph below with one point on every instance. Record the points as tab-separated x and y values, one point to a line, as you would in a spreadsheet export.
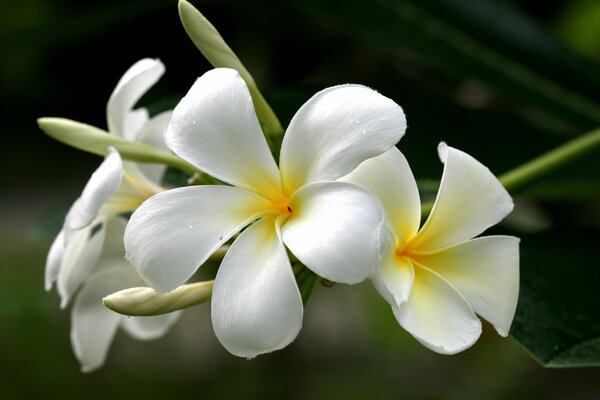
558	319
483	76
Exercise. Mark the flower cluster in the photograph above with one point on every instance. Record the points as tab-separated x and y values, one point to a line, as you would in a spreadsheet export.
88	253
341	202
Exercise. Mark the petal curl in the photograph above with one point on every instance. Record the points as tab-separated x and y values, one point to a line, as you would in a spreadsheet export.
470	200
336	130
437	315
256	304
174	232
390	179
100	187
80	257
215	128
334	230
486	272
141	76
54	260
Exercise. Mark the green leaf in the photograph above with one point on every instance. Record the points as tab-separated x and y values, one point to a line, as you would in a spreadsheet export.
97	141
558	316
436	37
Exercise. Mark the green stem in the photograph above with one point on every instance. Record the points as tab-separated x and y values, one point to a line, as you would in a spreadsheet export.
537	168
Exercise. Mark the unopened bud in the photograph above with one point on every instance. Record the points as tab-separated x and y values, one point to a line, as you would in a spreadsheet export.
145	301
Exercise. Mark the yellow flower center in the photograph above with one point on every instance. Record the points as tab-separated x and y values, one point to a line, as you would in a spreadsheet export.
403	247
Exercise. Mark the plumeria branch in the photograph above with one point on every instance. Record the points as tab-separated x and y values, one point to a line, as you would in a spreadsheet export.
97	141
536	169
212	45
541	166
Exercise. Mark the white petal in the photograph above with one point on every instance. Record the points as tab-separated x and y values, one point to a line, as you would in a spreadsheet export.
80	257
100	187
470	200
486	272
149	328
334	230
256	304
437	315
152	133
54	260
215	128
334	131
144	328
92	325
390	179
174	232
394	277
140	77
114	231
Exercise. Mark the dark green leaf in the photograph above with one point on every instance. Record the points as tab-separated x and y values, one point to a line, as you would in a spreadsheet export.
558	316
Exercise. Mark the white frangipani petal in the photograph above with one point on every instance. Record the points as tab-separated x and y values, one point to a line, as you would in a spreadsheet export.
486	272
333	230
215	128
390	179
152	134
54	260
142	328
437	315
122	119
93	326
394	277
470	200
80	257
336	130
114	230
99	188
149	328
256	304
174	232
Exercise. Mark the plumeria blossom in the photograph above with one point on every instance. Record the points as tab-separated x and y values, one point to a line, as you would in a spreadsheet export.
439	277
86	254
329	226
115	187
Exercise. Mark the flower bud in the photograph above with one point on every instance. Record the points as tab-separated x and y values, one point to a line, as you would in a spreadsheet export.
145	301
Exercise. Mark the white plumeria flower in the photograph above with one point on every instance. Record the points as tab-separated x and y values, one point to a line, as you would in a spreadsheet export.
329	226
437	278
87	253
93	326
116	186
139	181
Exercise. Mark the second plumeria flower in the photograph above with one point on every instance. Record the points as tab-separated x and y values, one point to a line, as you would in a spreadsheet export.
116	186
438	277
329	226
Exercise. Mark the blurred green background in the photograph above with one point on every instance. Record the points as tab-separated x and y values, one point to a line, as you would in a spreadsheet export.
502	80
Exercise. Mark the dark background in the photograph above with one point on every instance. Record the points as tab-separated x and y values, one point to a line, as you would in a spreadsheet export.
63	58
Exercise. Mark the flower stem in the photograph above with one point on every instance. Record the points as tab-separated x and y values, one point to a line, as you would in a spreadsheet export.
561	156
